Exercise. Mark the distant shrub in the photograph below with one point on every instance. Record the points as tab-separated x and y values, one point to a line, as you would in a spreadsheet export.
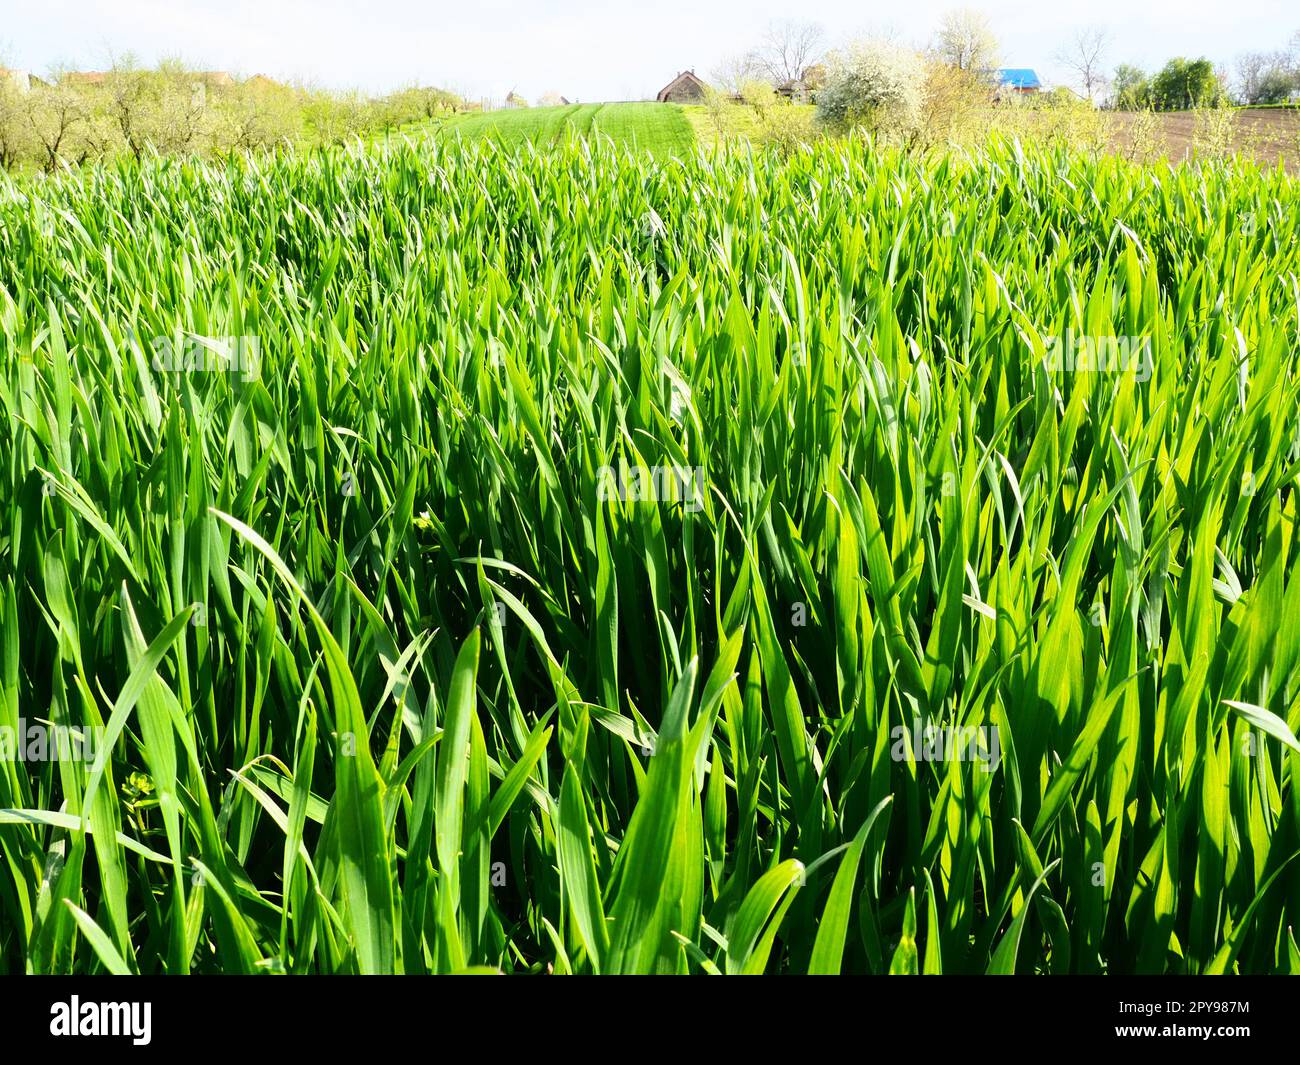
873	85
955	104
1276	86
758	94
1130	89
1183	84
1060	99
1214	132
788	127
1144	143
16	140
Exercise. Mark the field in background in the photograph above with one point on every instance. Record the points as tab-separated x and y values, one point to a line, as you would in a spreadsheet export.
1266	134
661	129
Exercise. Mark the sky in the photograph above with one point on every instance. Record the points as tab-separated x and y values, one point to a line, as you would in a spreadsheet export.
584	49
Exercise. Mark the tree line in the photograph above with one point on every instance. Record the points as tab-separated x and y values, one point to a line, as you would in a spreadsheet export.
76	118
795	53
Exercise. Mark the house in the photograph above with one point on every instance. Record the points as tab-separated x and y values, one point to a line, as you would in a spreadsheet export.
21	80
513	99
800	90
794	91
80	78
1020	80
686	88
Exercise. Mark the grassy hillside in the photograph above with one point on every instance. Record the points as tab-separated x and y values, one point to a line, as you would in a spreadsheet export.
659	128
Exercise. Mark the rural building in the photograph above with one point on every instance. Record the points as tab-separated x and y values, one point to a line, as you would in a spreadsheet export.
796	92
83	77
19	79
686	88
800	90
515	100
1020	80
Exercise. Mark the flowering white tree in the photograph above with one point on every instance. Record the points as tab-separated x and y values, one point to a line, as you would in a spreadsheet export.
874	84
966	40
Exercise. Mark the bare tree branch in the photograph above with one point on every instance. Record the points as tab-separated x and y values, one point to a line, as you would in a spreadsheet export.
1085	55
789	49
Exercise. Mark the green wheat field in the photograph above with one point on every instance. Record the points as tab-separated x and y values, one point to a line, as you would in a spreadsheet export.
662	129
457	557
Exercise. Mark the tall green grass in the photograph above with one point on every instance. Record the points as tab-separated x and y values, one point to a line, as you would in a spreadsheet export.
393	685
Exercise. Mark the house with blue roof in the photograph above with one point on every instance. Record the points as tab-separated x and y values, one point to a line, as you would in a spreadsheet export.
1018	79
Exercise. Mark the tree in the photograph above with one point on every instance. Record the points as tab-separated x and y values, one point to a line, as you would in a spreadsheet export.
550	98
1130	89
789	49
734	71
335	117
98	136
255	116
875	85
966	40
15	129
388	112
758	94
169	108
716	106
955	102
130	95
182	118
1266	77
419	101
1085	55
1251	68
1186	83
56	114
1276	86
